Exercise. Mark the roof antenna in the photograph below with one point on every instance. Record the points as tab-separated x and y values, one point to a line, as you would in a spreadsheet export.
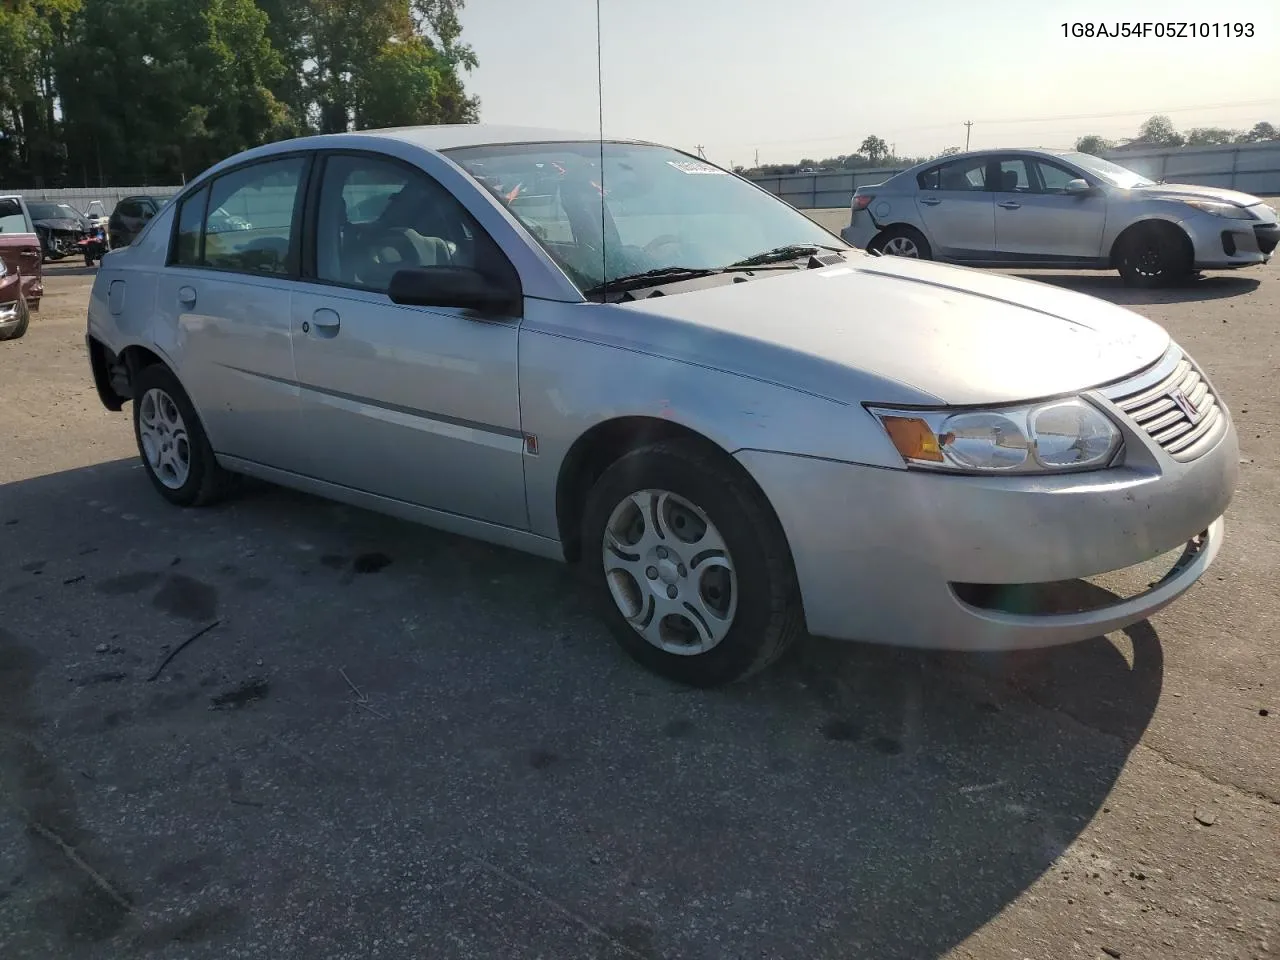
604	260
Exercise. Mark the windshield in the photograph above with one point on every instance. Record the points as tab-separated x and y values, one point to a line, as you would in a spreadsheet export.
1108	172
41	210
662	208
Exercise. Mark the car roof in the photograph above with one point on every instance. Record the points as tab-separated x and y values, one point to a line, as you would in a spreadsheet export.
453	136
974	154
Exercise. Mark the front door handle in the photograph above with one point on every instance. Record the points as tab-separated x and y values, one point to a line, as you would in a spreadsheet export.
931	201
1009	204
187	296
327	323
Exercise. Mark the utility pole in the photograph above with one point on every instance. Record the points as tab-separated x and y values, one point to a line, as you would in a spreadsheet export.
700	153
757	158
967	125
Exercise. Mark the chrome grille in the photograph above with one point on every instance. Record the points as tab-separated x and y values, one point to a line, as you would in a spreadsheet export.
1176	408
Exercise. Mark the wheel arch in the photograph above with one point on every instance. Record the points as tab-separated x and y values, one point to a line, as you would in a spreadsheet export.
603	444
1150	223
114	372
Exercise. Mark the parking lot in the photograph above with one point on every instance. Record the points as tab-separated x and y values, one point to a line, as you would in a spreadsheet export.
389	742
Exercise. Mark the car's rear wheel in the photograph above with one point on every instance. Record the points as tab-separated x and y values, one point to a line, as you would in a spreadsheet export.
175	451
901	241
18	330
1154	255
690	565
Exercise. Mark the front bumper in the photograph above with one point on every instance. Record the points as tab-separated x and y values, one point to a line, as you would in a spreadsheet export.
1220	243
892	555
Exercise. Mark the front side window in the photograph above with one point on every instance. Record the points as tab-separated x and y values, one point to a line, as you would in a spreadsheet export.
1053	178
377	216
248	226
654	208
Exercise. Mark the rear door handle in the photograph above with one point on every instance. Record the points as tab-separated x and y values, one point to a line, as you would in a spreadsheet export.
1009	204
931	201
187	296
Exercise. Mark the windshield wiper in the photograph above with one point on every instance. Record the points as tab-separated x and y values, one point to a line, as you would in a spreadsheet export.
630	281
792	251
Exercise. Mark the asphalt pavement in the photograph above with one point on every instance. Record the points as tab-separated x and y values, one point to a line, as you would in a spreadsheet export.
386	742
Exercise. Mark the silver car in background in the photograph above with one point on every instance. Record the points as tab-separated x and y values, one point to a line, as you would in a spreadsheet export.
1040	208
733	423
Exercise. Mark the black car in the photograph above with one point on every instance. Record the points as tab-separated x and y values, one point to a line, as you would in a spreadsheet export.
59	226
129	217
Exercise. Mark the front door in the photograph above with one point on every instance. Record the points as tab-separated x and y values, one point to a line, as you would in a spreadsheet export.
956	209
1036	219
228	289
417	404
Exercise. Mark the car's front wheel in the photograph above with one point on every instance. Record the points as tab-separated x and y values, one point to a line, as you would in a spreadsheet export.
175	451
690	564
901	241
1154	255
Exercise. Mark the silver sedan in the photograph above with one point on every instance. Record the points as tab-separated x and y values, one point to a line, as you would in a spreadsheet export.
621	356
1038	208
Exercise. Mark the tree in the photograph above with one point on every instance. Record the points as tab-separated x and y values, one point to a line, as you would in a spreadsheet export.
1094	144
875	149
1261	131
1159	130
1205	136
949	152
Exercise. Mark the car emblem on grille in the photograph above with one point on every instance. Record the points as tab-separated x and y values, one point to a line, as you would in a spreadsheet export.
1184	404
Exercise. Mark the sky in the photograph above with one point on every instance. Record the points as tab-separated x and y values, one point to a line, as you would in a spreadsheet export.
812	80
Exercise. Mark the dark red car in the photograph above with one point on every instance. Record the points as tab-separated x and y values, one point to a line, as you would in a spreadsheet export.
21	270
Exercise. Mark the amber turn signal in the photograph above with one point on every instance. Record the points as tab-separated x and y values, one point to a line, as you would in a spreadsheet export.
913	438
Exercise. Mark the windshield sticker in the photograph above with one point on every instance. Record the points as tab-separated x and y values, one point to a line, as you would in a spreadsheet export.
693	166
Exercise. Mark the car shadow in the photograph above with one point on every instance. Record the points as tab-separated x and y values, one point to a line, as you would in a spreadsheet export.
65	268
1111	287
459	710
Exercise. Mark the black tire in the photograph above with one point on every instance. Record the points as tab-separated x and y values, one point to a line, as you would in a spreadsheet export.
768	616
206	482
905	236
1158	255
24	320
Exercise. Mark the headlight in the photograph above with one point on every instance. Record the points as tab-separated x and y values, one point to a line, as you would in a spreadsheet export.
1055	437
1216	207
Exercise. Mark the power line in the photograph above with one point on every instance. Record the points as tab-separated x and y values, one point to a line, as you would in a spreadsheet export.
1150	111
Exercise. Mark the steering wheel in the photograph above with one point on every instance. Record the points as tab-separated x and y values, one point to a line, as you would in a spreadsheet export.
663	240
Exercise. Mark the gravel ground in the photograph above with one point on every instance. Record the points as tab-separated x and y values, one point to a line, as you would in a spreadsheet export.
399	744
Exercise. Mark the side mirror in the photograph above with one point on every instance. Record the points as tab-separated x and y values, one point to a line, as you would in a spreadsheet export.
1079	186
459	287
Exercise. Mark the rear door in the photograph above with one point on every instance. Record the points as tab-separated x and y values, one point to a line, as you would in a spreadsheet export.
224	299
1037	220
957	209
20	249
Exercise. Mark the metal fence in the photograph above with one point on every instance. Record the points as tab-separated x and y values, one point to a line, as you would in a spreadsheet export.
1248	167
80	197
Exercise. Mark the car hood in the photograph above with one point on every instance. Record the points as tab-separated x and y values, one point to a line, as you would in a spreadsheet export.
892	330
57	223
1194	192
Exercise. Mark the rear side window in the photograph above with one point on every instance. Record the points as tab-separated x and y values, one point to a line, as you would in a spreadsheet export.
959	175
186	250
248	222
11	217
